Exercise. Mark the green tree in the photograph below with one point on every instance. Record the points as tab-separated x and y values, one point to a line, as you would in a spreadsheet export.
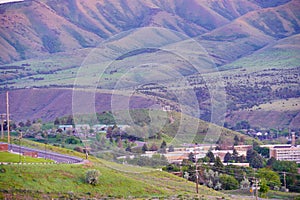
218	163
236	140
242	125
271	177
211	156
21	124
212	179
28	123
235	155
128	148
254	159
163	145
56	121
192	157
145	148
264	151
228	182
271	161
291	168
264	188
227	157
72	140
171	168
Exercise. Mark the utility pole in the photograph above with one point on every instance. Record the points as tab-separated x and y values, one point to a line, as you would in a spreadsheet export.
2	126
197	173
284	180
256	189
7	116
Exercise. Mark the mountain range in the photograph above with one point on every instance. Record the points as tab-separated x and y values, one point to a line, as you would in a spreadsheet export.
45	43
33	28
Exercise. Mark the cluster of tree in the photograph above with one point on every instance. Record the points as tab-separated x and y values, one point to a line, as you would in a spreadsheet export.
155	161
273	174
162	149
105	117
288	172
255	159
72	140
116	132
247	96
242	125
216	176
21	125
104	143
69	120
234	157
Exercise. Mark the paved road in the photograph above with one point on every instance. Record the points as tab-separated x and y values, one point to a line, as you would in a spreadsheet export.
59	158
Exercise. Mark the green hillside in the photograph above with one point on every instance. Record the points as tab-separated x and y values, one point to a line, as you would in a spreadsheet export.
7	157
68	181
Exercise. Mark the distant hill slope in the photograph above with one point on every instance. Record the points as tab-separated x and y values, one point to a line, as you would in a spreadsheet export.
284	53
47	104
34	28
44	43
252	31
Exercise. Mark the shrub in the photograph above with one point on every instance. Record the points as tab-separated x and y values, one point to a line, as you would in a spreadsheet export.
92	176
228	182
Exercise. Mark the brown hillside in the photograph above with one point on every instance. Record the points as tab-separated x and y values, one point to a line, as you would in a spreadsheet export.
34	28
267	119
48	104
252	31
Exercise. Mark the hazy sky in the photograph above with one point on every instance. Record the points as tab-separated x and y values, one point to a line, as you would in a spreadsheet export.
6	1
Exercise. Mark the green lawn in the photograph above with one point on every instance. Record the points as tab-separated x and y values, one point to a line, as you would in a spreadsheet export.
68	181
7	157
116	181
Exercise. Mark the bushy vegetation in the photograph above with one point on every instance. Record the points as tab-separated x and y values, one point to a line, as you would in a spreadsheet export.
92	176
156	160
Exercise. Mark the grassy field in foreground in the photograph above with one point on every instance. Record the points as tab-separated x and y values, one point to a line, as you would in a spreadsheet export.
68	181
7	157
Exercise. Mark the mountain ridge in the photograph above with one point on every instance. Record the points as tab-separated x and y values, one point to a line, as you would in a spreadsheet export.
27	31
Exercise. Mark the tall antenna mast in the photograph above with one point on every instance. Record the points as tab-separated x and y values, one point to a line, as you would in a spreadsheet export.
7	119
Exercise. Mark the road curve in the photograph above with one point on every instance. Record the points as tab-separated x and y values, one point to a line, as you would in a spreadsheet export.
57	157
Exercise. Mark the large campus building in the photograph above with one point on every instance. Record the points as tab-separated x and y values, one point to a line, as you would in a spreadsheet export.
287	152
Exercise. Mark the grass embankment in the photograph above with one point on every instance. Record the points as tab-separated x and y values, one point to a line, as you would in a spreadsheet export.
116	181
41	146
68	181
6	157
